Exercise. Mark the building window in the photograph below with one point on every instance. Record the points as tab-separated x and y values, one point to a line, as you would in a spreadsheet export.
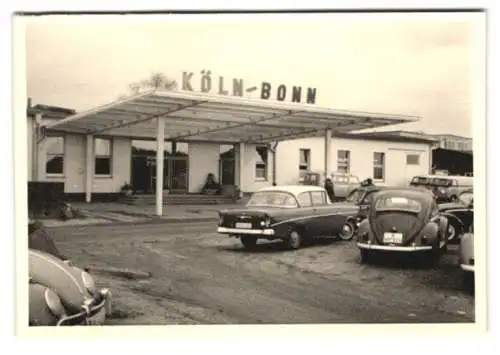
378	166
304	162
103	154
343	161
261	163
54	165
412	159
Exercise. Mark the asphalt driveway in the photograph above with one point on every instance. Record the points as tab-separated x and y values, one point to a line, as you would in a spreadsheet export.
191	275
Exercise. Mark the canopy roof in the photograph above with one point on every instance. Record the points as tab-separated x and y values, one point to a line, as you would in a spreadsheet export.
201	117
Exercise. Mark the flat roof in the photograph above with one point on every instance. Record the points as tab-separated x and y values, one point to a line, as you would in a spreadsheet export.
391	136
200	117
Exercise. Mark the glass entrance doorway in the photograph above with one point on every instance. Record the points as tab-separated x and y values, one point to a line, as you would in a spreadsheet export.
175	174
175	168
227	165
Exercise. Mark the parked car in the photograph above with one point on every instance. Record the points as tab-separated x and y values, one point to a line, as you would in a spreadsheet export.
290	213
466	259
362	197
445	188
460	214
403	220
60	293
343	183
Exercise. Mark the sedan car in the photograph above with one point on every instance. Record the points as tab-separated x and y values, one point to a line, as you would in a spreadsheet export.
460	214
403	220
288	213
59	292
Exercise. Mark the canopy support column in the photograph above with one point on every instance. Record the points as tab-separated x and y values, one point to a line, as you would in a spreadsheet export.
328	151
160	148
274	147
89	171
241	164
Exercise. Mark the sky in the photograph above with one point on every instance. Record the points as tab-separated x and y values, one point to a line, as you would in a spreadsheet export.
409	64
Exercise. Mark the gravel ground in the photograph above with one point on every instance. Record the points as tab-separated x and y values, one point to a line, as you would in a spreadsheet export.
200	277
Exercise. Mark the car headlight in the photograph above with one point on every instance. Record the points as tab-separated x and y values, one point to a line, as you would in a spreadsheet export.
54	303
88	282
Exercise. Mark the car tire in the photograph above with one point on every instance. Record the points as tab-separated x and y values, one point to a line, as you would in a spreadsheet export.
468	281
364	256
248	241
348	231
453	232
294	240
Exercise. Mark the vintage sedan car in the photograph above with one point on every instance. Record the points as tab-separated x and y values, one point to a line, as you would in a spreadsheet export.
403	220
343	183
60	293
466	259
460	214
289	213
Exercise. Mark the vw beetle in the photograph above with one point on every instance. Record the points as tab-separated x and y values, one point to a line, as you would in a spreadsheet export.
403	220
60	293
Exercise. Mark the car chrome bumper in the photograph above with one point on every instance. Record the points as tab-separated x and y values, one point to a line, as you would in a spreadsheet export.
91	315
225	230
394	247
467	267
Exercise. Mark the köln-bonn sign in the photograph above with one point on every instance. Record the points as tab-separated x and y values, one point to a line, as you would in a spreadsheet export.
209	83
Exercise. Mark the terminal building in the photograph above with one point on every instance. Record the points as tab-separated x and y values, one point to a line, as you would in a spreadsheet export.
158	141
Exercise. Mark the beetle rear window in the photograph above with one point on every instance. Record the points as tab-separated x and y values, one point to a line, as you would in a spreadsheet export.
398	203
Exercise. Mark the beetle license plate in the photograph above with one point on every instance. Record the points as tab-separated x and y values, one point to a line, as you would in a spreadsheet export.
395	238
243	225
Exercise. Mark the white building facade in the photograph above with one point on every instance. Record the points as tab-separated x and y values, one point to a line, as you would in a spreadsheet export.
119	160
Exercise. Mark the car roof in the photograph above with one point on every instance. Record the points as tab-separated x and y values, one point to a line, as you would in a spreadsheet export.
415	193
293	189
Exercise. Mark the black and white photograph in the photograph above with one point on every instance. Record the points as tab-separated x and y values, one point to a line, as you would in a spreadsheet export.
251	169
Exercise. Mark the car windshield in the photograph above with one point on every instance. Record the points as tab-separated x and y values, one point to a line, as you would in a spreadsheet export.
440	182
420	180
272	199
466	197
354	196
398	203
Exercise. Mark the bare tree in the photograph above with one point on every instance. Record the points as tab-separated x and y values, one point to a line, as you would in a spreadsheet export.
156	81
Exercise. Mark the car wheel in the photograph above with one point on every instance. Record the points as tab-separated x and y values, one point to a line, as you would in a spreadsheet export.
468	281
452	231
348	230
363	256
294	240
248	241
